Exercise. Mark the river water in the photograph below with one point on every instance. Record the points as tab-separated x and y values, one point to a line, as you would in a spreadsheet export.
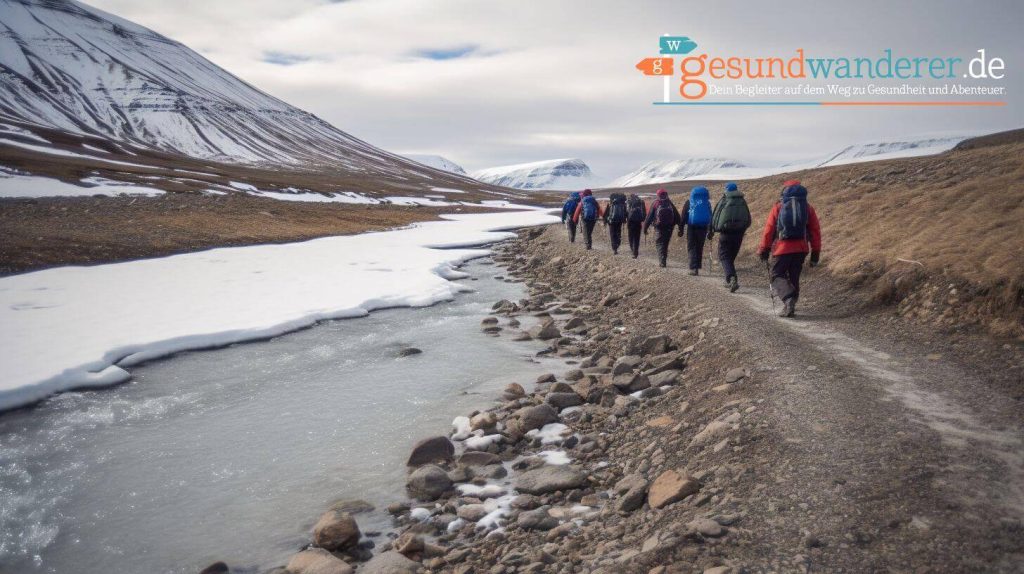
231	454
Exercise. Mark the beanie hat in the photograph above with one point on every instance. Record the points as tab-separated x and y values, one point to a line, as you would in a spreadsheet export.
662	193
731	186
587	192
790	182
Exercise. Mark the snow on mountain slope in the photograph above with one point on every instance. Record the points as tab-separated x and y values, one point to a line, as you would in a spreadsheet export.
724	169
554	174
436	162
71	67
911	147
676	170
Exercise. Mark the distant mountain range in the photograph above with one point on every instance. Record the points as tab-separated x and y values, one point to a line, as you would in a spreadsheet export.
722	169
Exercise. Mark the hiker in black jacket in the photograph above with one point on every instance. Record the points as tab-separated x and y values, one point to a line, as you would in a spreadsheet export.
636	213
664	217
730	220
614	217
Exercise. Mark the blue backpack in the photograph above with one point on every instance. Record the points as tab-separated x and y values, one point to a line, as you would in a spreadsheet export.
700	207
569	207
589	208
792	221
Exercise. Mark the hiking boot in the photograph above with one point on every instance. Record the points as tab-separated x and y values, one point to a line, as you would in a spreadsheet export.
663	264
615	251
693	271
635	255
734	285
788	308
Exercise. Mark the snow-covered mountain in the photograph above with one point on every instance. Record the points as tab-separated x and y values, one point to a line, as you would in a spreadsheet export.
554	174
68	66
726	169
677	169
436	162
879	150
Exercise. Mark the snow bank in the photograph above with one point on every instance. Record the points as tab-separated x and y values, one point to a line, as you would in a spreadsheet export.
75	327
35	186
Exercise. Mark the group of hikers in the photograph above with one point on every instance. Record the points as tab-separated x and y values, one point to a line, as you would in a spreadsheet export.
790	233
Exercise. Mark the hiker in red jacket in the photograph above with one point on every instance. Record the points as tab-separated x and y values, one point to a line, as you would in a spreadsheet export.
792	230
588	211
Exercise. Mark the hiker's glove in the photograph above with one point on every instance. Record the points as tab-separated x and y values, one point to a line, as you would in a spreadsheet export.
763	255
814	259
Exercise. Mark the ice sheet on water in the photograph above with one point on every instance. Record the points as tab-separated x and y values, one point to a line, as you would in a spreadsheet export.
78	326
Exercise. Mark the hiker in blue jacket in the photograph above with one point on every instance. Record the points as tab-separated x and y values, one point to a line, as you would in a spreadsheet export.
568	210
695	218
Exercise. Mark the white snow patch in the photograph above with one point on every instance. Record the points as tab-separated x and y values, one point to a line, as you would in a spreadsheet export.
549	433
485	491
79	326
481	442
94	148
36	186
497	509
555	457
419	514
447	190
65	153
462	428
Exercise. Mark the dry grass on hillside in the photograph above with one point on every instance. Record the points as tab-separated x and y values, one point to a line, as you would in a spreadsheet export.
959	214
46	232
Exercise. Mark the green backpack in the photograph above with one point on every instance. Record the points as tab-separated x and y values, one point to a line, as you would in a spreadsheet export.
732	214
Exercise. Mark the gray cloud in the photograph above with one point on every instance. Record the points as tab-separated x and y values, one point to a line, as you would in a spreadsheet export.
487	83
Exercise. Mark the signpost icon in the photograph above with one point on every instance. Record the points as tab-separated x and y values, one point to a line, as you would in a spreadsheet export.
668	45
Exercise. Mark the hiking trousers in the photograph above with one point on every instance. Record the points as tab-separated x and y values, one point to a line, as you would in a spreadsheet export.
695	238
662	237
615	235
634	229
788	267
588	232
571	226
728	248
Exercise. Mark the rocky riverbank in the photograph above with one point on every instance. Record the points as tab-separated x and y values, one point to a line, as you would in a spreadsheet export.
679	441
592	470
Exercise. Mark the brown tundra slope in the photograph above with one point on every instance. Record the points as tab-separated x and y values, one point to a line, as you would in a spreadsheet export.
941	237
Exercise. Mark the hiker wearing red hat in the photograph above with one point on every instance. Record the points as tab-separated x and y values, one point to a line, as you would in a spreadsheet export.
664	216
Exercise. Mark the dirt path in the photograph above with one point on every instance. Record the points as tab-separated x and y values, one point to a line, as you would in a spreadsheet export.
885	454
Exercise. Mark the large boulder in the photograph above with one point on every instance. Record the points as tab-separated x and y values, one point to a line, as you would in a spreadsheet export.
513	391
631	382
317	561
478	458
535	417
538	519
563	400
431	449
669	487
626	364
336	530
390	562
548	479
546	330
428	482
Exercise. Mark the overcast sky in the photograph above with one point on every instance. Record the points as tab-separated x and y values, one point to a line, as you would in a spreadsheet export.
491	83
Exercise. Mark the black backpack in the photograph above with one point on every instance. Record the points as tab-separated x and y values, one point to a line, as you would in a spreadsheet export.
617	208
635	209
665	213
792	222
